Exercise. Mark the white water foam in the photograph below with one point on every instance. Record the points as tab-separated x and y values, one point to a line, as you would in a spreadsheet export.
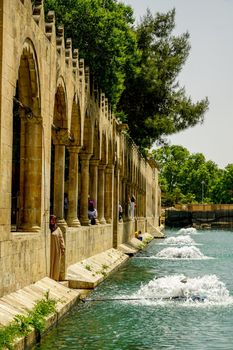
201	290
187	231
180	240
186	252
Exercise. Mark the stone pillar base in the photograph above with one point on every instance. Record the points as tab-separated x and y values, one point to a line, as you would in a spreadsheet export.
61	223
73	222
102	221
29	228
84	222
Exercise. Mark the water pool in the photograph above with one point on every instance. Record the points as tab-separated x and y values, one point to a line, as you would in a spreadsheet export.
146	313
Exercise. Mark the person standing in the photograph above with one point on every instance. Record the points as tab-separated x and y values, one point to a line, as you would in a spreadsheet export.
120	212
57	248
92	213
133	205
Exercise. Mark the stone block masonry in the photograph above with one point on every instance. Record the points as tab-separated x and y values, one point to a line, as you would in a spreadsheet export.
60	147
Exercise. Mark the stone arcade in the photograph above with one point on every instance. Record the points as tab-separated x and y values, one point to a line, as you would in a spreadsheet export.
59	140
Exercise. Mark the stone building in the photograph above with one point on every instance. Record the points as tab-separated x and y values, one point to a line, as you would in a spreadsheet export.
60	145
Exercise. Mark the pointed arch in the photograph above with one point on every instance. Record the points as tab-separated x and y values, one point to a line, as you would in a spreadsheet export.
76	130
88	134
97	141
104	149
27	145
60	119
111	158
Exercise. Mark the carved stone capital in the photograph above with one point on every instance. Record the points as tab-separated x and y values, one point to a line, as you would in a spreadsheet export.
94	162
84	156
73	149
61	137
109	169
102	166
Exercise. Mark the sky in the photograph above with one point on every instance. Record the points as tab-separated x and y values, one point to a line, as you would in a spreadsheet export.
208	71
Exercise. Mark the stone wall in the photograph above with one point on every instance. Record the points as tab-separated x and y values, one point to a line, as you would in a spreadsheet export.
59	139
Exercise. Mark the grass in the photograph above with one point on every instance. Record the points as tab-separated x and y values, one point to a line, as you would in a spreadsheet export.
88	267
22	325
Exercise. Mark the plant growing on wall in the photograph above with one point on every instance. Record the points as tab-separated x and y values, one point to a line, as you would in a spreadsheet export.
22	325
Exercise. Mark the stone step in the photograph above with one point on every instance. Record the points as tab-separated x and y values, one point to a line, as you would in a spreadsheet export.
88	273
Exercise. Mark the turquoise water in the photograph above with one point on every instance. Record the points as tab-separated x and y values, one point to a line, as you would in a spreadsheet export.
156	320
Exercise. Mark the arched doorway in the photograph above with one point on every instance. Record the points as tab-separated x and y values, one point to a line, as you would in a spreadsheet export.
59	155
27	146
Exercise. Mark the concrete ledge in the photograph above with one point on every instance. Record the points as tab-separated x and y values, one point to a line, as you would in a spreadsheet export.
158	233
135	244
147	237
81	276
23	300
88	273
127	248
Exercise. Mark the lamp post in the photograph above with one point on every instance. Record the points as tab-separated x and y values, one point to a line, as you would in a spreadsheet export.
202	191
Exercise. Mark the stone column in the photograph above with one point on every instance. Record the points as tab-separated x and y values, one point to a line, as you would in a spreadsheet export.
108	202
139	203
31	211
136	214
141	197
84	188
72	218
128	199
101	179
93	192
93	184
144	198
124	197
116	206
121	199
59	177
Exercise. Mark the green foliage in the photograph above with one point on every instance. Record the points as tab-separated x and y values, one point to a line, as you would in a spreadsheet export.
88	267
223	189
101	30
153	101
189	178
105	267
136	67
141	246
7	335
23	324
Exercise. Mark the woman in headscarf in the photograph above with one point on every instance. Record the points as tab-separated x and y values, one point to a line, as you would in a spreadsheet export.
92	213
57	248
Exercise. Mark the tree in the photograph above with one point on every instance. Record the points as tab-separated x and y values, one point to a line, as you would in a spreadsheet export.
153	101
102	32
223	189
137	68
182	175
